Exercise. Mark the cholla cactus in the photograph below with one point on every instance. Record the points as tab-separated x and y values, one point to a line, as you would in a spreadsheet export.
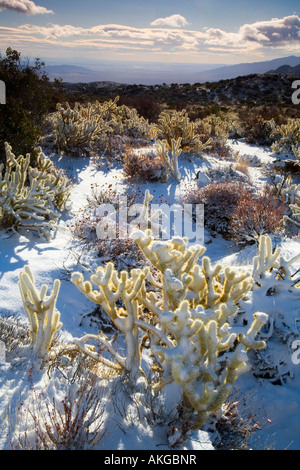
43	317
219	128
111	290
77	129
31	206
171	164
295	216
288	137
126	121
271	270
204	360
186	309
173	125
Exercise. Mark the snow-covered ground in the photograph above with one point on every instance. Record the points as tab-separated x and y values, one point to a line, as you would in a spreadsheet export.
275	407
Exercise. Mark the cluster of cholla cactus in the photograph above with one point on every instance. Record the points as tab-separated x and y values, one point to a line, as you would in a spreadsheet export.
78	129
287	138
30	198
181	306
126	121
218	128
187	311
173	125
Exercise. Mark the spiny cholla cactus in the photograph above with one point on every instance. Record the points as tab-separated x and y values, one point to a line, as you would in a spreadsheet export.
170	163
44	319
79	128
29	197
219	128
272	271
126	121
76	129
173	125
186	309
287	137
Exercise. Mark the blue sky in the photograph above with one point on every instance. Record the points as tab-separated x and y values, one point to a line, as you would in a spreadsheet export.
195	31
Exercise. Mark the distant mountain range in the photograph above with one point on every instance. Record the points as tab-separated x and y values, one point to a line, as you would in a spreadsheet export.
287	70
155	73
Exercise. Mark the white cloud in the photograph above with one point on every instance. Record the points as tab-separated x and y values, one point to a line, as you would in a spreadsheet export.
175	21
23	6
277	32
272	34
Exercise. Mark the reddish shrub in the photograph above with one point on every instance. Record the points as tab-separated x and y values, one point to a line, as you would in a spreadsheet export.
220	200
144	167
255	215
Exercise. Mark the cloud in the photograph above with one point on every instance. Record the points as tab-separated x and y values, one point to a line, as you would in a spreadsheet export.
175	21
274	33
251	38
23	6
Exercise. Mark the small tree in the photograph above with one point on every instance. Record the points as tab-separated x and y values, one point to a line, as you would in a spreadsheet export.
29	96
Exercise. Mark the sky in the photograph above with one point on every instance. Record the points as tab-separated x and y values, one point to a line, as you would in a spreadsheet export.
169	31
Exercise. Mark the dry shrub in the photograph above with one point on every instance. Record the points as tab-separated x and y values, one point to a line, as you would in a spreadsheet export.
220	200
255	215
124	253
144	167
75	422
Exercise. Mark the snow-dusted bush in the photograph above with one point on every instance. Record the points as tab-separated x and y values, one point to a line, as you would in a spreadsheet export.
256	214
220	200
144	167
30	197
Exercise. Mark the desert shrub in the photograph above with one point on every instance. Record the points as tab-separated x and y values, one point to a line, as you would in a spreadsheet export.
256	123
258	131
220	200
74	422
119	249
146	106
222	174
144	167
255	215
